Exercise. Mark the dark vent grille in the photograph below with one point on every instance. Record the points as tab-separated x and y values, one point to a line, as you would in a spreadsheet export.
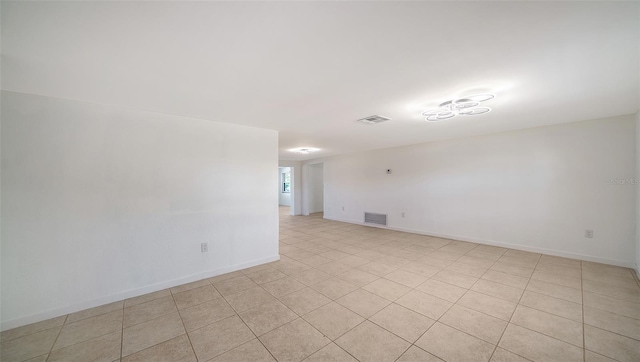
371	218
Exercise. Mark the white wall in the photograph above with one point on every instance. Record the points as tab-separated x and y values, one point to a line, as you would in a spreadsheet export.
315	187
637	180
535	189
284	198
296	185
101	203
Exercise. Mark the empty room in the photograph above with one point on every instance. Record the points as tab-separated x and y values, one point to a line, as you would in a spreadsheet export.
319	181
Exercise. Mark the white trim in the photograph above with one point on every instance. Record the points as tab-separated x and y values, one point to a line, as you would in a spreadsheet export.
563	254
18	322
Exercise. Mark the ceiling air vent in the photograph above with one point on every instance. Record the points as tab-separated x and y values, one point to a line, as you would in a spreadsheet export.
374	119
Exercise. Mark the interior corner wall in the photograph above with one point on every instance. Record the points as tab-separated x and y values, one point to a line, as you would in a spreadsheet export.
101	203
296	183
314	181
637	182
536	189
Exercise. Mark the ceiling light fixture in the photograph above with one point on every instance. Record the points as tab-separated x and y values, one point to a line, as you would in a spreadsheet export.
465	106
303	150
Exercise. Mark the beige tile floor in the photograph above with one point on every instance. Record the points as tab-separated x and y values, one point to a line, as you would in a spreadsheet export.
345	292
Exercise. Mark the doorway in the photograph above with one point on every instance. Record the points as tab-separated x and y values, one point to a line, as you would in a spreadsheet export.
314	190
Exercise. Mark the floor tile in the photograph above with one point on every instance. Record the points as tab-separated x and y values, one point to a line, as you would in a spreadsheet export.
549	277
403	322
189	286
334	288
228	334
268	316
312	276
249	298
551	325
508	268
507	279
369	342
234	285
304	301
631	294
377	268
610	304
387	289
612	322
611	345
334	268
89	328
29	346
406	278
146	297
414	354
331	352
475	323
556	291
537	347
455	278
150	310
333	320
545	303
442	290
283	286
206	313
498	290
451	344
32	328
195	296
147	334
462	268
362	302
502	355
92	312
294	341
358	277
424	304
265	275
176	349
103	348
420	268
252	351
594	357
492	306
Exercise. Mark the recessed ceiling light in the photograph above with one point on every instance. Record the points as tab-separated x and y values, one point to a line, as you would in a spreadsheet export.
303	150
374	119
465	106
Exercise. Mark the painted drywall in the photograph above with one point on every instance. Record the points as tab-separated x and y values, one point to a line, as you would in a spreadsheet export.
637	182
536	189
284	198
296	185
314	180
100	203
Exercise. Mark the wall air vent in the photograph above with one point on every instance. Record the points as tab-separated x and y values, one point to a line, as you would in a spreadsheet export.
371	218
374	119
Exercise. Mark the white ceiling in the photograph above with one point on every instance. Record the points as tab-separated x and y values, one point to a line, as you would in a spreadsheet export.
310	69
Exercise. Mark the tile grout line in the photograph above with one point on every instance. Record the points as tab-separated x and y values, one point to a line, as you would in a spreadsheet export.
57	336
182	321
514	311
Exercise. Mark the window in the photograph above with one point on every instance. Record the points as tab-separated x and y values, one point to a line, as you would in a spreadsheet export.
286	182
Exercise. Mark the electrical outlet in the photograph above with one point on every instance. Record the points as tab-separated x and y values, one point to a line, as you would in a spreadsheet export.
403	214
588	234
343	208
204	247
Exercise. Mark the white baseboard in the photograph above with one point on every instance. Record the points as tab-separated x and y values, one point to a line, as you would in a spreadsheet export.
18	322
534	249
